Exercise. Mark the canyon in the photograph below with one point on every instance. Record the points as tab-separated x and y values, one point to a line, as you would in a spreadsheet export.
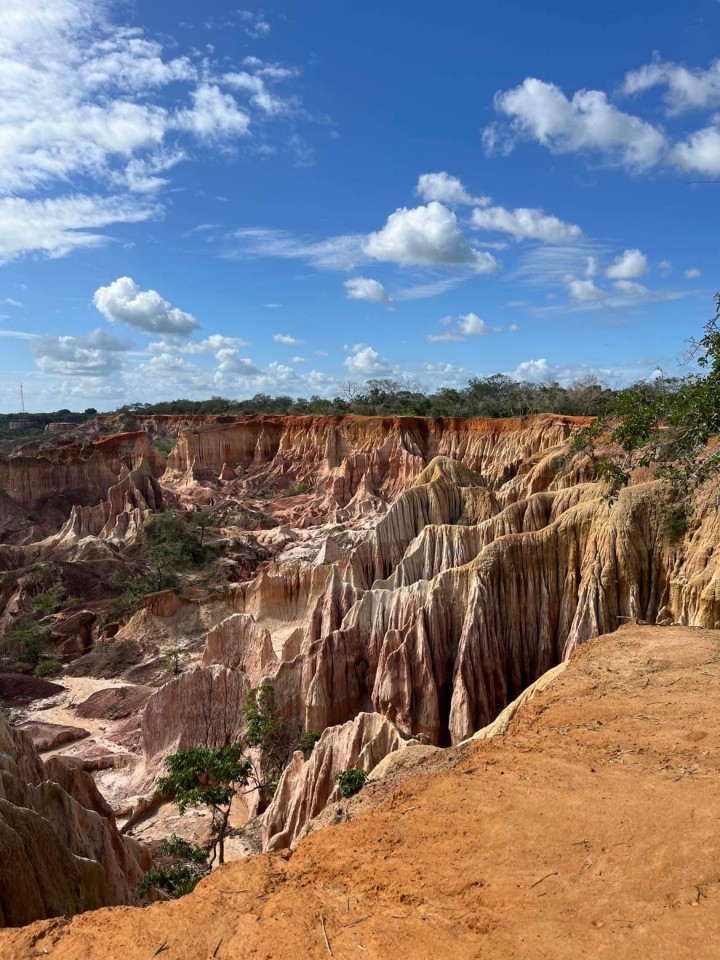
404	586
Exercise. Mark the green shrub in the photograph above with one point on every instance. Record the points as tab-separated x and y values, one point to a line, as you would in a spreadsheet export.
175	846
49	601
351	781
165	446
47	667
295	489
176	880
675	523
26	643
307	742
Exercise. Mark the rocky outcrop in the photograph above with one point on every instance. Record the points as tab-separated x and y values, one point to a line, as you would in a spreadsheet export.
307	786
72	473
240	644
60	850
203	707
382	453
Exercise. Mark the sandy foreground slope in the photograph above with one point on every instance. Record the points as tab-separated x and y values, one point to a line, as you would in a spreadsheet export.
591	829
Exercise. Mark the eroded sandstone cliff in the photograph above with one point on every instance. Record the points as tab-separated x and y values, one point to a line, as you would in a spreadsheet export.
402	579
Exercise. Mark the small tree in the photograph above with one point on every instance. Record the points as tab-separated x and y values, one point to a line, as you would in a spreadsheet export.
208	777
202	519
273	736
173	659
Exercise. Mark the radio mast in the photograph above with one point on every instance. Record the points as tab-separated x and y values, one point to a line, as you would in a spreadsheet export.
22	400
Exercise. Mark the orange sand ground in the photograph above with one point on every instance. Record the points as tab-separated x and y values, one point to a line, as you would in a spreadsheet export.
592	829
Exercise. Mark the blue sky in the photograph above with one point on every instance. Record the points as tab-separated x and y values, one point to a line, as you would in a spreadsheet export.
228	200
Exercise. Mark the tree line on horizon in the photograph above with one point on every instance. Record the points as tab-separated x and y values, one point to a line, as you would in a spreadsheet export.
495	396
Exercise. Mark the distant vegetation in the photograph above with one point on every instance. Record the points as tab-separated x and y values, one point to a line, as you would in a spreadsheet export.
18	428
496	396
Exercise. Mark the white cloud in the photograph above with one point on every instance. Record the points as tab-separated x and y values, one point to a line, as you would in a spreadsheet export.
631	287
692	274
631	265
588	122
473	326
298	360
255	84
57	226
366	362
363	288
287	340
591	267
686	89
549	265
468	325
124	302
336	253
254	24
526	224
91	105
699	153
167	375
214	343
97	355
446	189
665	267
533	370
583	290
426	236
214	115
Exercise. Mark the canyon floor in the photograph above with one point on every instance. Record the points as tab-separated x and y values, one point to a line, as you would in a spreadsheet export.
590	829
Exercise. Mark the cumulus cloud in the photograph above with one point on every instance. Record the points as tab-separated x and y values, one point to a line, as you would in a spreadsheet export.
699	152
631	265
446	189
692	274
533	370
97	355
426	236
163	374
363	288
366	362
526	224
540	111
685	88
665	267
583	291
124	302
468	325
214	343
287	340
214	114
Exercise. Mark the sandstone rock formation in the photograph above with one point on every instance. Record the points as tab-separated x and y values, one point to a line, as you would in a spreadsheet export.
422	576
60	851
